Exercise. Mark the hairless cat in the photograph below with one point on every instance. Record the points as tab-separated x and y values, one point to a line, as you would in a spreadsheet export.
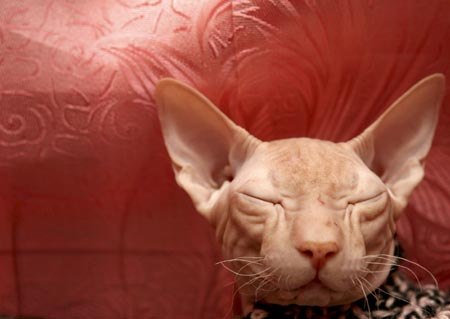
301	221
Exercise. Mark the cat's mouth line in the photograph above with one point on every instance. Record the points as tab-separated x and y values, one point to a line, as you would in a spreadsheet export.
316	282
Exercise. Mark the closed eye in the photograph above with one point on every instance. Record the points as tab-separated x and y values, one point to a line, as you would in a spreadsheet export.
261	199
369	200
249	204
372	207
250	213
376	199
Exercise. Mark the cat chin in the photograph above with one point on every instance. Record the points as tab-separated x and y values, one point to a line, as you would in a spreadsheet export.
313	294
315	299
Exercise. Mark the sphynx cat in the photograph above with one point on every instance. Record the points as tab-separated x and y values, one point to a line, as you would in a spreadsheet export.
301	221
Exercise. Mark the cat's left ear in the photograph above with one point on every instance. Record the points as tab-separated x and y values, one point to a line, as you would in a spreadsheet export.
396	144
205	146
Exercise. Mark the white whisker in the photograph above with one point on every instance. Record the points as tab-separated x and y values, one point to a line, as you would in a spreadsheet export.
372	291
239	261
262	276
253	260
387	293
239	272
418	265
392	295
263	283
400	266
365	297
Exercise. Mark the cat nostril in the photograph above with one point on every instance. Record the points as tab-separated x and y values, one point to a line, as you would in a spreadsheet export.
318	253
330	254
307	253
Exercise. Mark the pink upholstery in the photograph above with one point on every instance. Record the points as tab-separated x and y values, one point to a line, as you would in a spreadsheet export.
92	224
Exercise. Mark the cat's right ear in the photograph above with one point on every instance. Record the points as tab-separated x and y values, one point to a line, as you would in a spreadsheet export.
205	146
396	144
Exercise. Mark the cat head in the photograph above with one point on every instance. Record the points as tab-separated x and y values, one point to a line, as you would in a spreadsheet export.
301	221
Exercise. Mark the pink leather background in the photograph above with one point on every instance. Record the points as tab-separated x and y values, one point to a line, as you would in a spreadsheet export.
92	224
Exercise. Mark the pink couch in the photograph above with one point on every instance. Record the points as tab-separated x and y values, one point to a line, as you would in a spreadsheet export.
92	224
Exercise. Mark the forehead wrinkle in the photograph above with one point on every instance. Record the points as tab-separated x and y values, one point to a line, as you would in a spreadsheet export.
304	166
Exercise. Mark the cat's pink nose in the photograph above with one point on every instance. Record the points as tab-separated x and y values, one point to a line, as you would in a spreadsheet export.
318	253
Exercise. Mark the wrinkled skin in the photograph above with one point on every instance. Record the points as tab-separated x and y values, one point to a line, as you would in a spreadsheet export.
301	221
284	203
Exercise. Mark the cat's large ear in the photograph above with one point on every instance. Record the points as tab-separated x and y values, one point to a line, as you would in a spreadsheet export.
396	144
205	146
